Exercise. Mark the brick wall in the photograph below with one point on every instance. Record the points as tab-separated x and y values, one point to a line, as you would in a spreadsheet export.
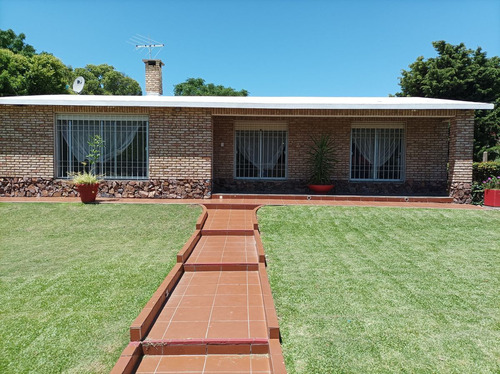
26	141
426	146
182	154
461	148
180	143
180	151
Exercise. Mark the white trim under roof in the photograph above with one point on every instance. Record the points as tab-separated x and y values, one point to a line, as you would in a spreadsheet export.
248	102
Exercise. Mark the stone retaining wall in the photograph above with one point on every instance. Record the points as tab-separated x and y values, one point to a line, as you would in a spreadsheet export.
461	192
407	188
159	189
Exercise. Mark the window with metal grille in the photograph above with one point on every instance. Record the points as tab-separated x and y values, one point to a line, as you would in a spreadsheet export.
377	152
123	156
260	151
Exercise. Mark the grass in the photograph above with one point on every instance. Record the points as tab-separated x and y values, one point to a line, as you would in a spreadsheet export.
385	290
73	277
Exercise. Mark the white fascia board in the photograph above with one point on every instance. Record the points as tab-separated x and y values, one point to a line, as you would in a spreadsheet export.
407	103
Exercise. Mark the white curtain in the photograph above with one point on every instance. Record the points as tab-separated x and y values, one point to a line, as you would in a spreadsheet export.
261	148
117	136
364	140
386	146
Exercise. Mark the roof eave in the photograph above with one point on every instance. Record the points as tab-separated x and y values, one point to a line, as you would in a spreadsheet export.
279	103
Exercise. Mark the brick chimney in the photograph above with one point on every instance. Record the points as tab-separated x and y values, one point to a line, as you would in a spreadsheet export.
154	84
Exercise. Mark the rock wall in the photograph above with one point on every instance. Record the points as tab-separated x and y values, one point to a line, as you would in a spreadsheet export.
407	188
461	192
159	189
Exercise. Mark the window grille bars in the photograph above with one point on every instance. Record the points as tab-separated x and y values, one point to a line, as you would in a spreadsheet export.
260	151
125	151
377	153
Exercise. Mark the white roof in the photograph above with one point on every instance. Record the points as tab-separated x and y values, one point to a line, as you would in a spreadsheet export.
248	102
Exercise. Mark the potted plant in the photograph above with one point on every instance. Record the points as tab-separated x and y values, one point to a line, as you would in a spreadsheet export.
492	191
322	161
87	182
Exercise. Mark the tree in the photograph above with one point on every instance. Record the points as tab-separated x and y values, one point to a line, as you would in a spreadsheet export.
25	72
47	75
15	43
460	73
198	87
105	80
37	75
13	71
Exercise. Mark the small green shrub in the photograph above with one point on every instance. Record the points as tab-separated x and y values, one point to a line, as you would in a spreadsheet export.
477	191
492	183
481	171
84	178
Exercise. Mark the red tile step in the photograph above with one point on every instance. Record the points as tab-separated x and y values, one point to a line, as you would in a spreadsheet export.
206	364
205	346
249	199
228	219
224	252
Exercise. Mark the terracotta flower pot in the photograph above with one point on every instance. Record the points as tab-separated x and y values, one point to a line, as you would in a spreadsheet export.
492	197
88	192
320	188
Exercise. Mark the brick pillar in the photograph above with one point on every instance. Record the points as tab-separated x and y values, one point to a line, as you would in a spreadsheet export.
460	157
154	83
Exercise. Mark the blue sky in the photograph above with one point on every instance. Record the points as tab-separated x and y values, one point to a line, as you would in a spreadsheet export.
270	48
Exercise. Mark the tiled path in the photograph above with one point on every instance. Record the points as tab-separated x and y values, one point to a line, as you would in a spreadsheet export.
382	201
214	312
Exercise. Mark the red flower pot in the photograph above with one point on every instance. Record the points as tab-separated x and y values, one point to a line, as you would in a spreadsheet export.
320	188
88	192
492	197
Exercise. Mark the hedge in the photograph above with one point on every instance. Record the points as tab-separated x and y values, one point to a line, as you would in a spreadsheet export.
482	170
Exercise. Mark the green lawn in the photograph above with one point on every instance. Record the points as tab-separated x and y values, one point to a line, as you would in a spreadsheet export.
73	277
385	290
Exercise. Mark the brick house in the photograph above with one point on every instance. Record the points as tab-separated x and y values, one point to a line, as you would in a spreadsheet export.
180	147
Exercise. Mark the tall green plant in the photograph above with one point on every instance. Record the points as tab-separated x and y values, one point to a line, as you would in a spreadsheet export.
96	144
321	160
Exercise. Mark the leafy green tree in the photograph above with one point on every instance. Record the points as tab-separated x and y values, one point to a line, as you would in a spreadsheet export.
198	87
15	43
24	72
460	73
105	80
41	74
13	71
47	75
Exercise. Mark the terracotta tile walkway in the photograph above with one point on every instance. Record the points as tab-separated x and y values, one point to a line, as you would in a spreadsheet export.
214	313
213	305
205	364
217	315
224	249
260	200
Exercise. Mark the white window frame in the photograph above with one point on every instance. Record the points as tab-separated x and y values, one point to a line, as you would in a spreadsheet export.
263	126
379	125
101	119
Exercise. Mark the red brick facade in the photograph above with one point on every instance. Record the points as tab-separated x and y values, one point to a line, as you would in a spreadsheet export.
426	148
461	148
189	148
180	152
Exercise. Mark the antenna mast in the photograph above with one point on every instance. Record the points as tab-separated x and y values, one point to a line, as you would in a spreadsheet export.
142	42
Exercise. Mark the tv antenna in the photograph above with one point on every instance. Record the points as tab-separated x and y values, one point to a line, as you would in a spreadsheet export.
146	43
78	84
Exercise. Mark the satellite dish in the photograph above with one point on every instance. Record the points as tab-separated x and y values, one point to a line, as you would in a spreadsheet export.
78	84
